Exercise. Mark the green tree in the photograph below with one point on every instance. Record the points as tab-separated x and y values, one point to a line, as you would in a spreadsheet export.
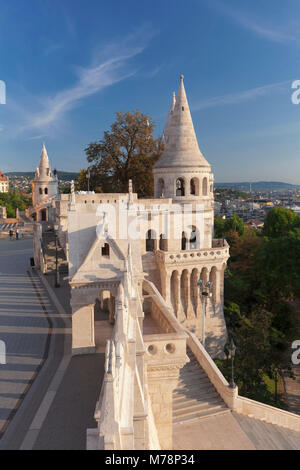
219	227
279	221
277	264
13	200
236	224
127	151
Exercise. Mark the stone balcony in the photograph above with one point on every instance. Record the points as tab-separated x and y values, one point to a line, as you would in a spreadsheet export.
219	251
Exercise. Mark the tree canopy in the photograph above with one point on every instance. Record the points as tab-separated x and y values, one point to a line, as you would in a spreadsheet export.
262	279
127	151
280	221
225	226
13	200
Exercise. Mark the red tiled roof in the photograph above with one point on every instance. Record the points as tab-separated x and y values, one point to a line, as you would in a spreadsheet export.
2	177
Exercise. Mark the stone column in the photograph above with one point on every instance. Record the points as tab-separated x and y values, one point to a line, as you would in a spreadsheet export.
186	293
176	292
180	311
165	279
111	308
83	331
162	380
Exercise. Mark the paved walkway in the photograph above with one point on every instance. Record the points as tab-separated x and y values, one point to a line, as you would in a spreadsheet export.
47	398
26	323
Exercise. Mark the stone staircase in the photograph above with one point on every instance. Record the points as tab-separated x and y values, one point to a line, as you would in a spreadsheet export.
195	397
267	436
49	252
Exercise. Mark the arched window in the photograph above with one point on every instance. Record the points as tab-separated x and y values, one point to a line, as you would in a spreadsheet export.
161	187
150	240
194	187
46	190
204	187
44	215
105	250
163	243
180	189
183	241
40	191
194	238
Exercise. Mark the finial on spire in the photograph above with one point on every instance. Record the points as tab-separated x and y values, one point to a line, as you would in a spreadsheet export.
181	77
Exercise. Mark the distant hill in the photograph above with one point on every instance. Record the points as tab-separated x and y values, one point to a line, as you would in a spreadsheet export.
62	175
260	186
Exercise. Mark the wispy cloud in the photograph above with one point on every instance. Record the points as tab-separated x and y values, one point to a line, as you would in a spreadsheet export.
280	34
91	80
37	137
243	96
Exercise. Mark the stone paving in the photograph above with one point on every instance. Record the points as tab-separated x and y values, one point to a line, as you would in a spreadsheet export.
25	326
29	321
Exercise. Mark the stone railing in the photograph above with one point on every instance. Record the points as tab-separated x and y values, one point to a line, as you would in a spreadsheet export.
267	413
113	415
161	312
217	252
233	400
214	374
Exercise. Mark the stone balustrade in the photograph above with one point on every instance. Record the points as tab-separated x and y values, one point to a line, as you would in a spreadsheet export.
219	251
160	348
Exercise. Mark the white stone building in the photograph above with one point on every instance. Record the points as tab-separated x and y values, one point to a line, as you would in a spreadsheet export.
44	189
140	260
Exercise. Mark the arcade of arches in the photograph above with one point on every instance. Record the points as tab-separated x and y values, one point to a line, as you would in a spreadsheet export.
183	292
185	187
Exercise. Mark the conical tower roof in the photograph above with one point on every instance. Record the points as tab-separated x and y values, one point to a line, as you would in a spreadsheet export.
44	170
181	145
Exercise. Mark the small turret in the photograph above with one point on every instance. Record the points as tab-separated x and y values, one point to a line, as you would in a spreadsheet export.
44	184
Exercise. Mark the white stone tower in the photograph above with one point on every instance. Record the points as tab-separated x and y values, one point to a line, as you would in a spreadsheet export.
44	184
183	175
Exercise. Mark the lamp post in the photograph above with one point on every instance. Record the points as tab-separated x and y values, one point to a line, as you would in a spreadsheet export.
205	293
232	349
57	283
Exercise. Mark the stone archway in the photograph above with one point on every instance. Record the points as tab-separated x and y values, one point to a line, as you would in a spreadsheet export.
93	309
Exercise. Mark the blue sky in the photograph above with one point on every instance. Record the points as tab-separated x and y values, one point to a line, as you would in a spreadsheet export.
69	65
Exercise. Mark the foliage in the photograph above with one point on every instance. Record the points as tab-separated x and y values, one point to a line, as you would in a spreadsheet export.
263	275
127	151
14	200
229	228
280	221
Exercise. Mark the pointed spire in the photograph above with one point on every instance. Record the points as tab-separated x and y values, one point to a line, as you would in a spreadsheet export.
44	169
181	146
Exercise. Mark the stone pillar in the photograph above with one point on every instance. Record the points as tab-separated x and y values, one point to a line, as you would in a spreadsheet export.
165	279
111	308
187	295
180	311
161	383
176	293
83	331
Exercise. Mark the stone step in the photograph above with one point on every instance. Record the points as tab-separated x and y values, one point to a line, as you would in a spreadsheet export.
266	436
197	382
182	407
184	397
190	372
201	415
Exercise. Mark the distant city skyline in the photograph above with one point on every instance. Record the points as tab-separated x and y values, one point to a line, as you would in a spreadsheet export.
66	80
